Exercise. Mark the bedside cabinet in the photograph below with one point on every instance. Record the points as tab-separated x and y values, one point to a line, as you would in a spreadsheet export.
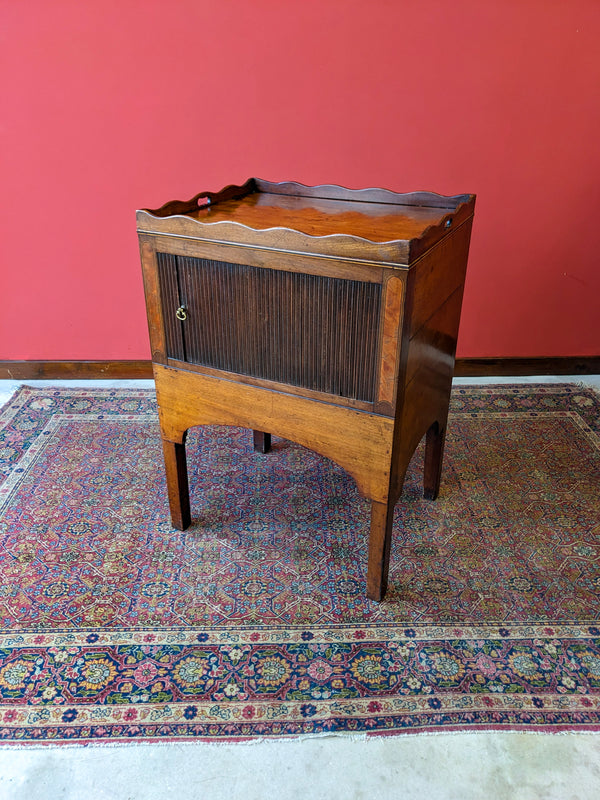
321	314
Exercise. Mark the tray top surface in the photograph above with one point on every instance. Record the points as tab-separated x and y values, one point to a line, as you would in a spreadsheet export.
377	222
368	223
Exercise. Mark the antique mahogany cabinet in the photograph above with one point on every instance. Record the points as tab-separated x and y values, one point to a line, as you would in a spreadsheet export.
321	314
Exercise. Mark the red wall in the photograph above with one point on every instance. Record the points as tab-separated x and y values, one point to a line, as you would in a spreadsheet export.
114	105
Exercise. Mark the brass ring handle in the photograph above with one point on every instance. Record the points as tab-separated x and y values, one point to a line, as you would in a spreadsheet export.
181	313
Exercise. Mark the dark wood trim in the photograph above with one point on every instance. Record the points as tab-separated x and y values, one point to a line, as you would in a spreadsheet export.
64	370
139	370
505	367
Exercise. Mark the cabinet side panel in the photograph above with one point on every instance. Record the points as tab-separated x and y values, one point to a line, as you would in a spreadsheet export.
436	286
434	344
438	274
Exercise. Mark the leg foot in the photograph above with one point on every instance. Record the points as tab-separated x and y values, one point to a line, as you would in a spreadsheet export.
177	484
434	454
380	537
262	441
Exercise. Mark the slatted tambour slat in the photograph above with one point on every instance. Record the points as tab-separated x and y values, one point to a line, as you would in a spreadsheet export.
309	331
169	290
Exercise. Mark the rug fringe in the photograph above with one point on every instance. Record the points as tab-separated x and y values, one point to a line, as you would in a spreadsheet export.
363	738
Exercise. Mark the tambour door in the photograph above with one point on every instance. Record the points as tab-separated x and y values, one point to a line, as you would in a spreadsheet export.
311	331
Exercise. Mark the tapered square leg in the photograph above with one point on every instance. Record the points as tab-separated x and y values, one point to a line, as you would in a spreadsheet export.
434	455
380	537
262	441
177	484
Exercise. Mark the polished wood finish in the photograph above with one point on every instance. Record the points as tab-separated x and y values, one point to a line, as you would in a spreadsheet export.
380	538
81	370
507	367
372	225
238	253
262	441
351	402
177	483
434	454
391	331
324	315
360	442
378	222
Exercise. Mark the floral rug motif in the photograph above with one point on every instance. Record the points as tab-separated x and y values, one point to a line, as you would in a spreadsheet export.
254	622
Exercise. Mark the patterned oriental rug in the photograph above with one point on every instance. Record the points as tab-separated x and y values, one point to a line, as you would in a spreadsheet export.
254	621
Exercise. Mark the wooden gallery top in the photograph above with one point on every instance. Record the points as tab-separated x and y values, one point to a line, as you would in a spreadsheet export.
322	314
372	224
